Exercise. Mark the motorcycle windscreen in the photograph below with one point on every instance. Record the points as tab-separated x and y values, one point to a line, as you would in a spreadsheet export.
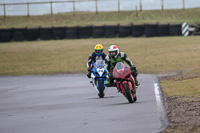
100	63
120	67
121	70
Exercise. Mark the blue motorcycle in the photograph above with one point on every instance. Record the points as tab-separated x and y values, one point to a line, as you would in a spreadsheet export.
98	77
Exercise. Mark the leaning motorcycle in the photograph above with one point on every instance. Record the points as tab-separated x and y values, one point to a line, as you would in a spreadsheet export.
124	81
98	77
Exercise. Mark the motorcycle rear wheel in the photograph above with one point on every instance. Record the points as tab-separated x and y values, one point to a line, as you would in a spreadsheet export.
128	93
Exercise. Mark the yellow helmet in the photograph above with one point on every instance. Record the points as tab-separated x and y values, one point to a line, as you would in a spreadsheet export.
98	49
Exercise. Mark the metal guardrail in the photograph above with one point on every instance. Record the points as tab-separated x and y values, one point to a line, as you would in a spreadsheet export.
33	3
73	2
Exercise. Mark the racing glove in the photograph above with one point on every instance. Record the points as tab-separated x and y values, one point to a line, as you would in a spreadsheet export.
134	71
89	69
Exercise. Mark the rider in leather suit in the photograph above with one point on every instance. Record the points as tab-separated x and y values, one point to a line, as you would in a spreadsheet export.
112	59
97	54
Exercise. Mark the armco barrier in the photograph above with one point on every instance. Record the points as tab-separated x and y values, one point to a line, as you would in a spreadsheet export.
151	30
137	30
71	32
175	30
163	30
85	32
59	32
46	33
111	31
5	35
125	31
32	34
98	31
19	34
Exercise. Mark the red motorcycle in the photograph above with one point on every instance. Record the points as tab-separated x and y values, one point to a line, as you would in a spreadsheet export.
124	81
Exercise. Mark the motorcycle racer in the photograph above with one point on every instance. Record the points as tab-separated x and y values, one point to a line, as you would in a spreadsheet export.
97	54
112	59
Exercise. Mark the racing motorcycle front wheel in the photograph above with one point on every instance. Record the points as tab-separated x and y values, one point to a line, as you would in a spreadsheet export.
101	88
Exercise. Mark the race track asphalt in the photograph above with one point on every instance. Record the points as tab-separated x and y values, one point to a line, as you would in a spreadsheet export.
69	104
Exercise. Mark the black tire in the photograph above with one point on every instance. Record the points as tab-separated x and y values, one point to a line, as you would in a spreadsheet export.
46	33
111	31
32	34
59	33
71	32
85	32
196	33
128	93
6	35
197	28
125	31
137	30
163	30
101	88
151	30
175	30
19	34
98	31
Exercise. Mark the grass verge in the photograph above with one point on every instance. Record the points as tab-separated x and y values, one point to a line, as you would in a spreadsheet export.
192	16
150	55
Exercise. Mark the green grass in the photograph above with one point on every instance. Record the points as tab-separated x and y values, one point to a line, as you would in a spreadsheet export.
191	16
182	88
150	55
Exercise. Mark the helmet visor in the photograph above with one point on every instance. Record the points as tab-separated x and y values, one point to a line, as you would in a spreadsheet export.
98	51
113	53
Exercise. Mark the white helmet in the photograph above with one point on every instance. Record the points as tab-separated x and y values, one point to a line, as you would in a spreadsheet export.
113	51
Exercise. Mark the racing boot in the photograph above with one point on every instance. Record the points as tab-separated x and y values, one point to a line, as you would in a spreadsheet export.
108	82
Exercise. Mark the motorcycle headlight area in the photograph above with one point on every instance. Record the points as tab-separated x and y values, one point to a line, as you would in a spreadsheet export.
100	72
120	71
